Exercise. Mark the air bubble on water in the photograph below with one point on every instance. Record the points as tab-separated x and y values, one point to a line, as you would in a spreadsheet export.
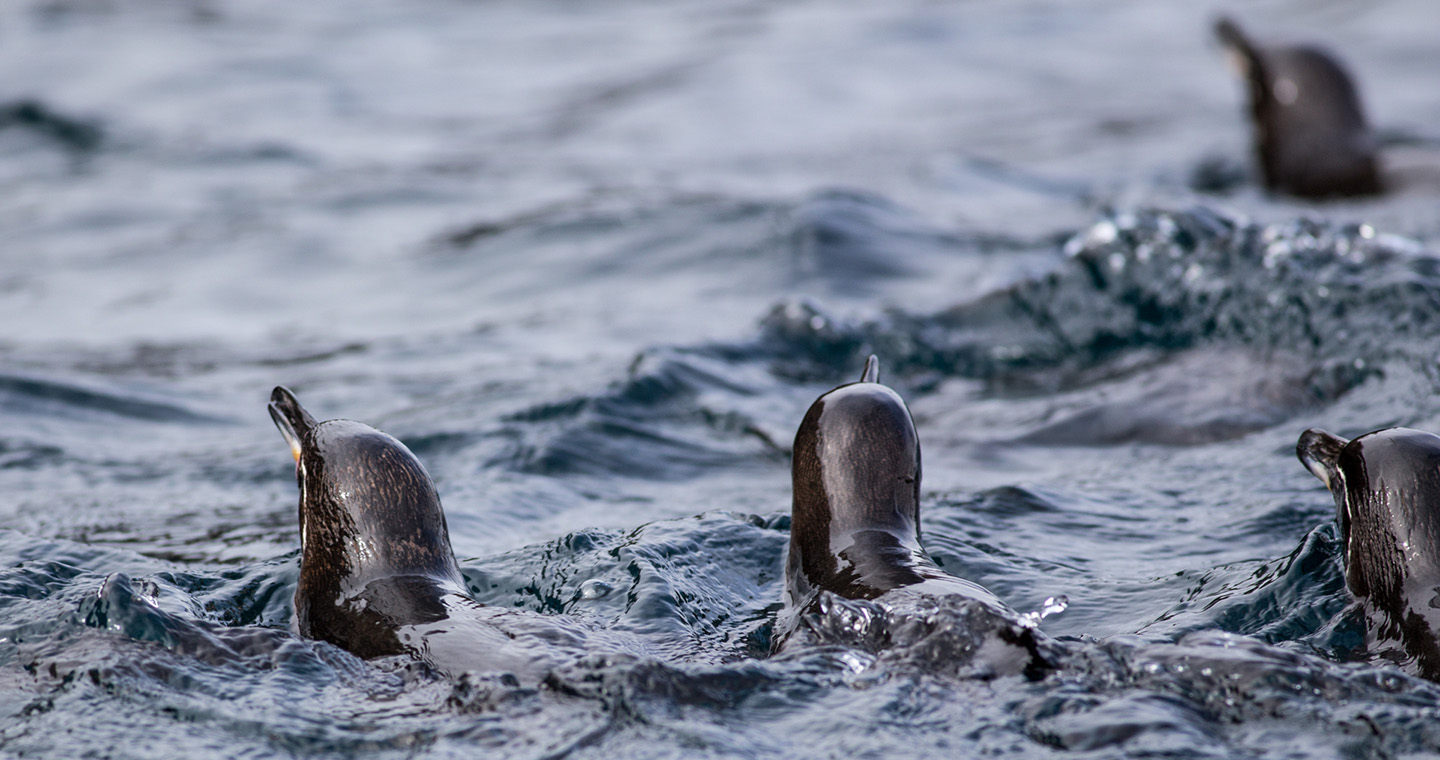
853	662
1102	234
146	591
1275	252
859	620
1166	226
594	589
1053	605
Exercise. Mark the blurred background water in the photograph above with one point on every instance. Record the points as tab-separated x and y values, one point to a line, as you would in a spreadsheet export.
592	261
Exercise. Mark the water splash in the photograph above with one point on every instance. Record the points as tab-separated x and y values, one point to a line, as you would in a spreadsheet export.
594	589
1053	605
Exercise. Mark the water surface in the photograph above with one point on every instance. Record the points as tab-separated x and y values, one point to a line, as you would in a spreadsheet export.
591	263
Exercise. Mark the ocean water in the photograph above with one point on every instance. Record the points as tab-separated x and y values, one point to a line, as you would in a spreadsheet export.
591	262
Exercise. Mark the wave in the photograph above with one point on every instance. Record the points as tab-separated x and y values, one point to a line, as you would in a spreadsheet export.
34	395
680	413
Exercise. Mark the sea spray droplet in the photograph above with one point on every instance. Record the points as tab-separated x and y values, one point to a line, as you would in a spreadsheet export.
854	662
594	589
1053	605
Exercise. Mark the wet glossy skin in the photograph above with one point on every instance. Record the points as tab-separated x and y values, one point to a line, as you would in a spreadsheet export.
1386	486
377	573
855	519
1311	136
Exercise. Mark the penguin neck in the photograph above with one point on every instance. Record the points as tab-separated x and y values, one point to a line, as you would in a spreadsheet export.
341	556
851	551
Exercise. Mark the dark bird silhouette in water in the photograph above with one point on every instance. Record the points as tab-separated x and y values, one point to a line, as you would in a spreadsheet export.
1311	136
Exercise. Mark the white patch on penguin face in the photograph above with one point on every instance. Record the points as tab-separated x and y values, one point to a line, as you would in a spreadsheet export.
304	523
1239	62
1343	495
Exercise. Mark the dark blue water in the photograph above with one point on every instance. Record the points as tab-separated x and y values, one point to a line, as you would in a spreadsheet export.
591	262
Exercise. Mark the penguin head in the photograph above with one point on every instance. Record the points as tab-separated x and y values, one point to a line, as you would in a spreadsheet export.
367	505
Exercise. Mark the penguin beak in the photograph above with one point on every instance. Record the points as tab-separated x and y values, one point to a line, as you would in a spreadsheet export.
1238	48
291	418
871	373
1320	453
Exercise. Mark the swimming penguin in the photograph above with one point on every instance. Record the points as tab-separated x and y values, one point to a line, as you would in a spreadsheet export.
1311	136
855	517
377	574
1386	486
